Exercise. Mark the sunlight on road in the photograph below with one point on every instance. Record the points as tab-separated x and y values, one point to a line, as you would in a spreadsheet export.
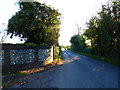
71	59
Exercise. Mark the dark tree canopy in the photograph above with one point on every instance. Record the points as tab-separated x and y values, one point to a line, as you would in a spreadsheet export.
35	23
78	42
104	31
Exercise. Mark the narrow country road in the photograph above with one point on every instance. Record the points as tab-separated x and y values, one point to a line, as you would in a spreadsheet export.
78	71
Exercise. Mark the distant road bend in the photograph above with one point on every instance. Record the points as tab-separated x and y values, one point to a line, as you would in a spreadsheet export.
78	71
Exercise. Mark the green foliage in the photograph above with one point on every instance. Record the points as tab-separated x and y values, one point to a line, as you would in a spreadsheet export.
104	31
99	58
56	52
30	44
78	43
35	23
88	50
60	52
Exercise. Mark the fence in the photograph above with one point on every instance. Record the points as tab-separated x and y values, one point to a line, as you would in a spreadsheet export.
21	54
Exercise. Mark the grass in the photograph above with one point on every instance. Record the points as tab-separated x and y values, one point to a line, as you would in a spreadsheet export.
114	62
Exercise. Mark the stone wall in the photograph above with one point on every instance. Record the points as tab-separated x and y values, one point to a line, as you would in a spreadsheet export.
2	56
21	54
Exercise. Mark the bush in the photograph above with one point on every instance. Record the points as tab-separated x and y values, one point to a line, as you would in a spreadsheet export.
30	44
88	50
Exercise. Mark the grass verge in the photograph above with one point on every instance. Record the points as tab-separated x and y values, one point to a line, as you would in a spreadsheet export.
114	62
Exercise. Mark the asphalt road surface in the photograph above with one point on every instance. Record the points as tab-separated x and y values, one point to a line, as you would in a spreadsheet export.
78	71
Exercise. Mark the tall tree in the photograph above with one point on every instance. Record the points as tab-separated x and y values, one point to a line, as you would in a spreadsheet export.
104	30
35	23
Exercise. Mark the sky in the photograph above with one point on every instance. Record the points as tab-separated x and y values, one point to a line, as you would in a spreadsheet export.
74	12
